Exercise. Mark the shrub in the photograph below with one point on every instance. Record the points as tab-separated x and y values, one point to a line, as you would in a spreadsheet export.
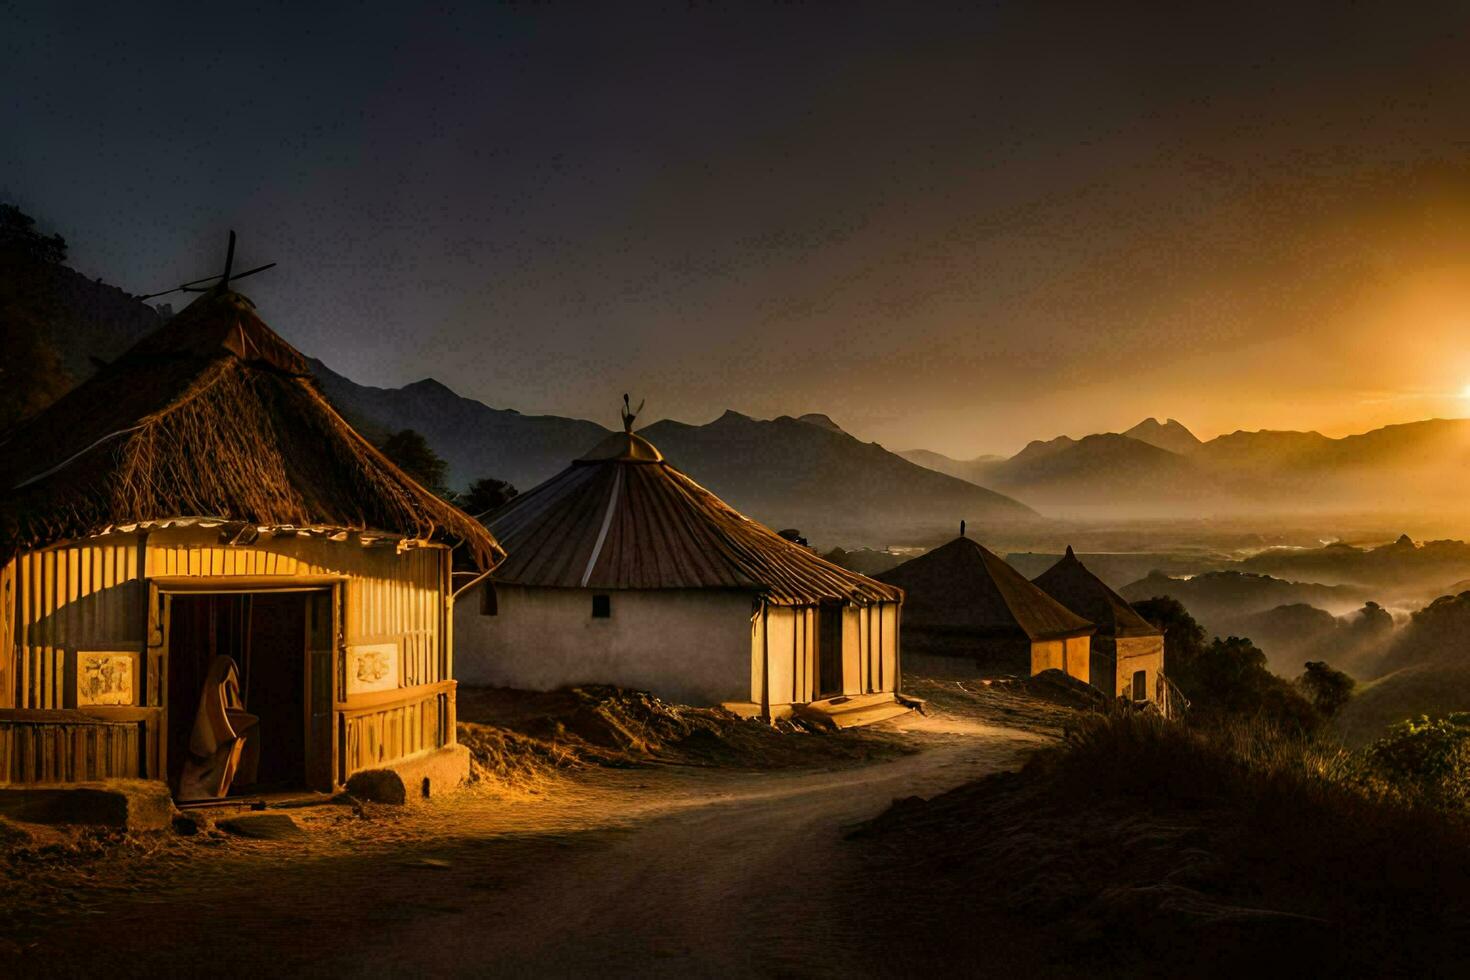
1422	761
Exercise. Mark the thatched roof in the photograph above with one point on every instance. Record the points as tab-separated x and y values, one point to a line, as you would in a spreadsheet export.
623	518
964	587
1074	586
211	415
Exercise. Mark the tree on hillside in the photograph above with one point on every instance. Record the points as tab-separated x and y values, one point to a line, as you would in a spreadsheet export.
1231	676
411	452
19	237
1326	688
484	495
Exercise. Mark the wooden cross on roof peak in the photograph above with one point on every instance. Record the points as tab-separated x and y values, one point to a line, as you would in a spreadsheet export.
224	278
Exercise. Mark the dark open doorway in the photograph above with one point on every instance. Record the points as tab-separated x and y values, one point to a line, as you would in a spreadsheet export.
829	650
265	634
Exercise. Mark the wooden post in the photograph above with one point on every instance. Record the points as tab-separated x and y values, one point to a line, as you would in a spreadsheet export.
765	660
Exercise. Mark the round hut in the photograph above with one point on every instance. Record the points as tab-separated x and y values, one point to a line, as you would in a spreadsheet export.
623	570
962	600
1127	650
208	577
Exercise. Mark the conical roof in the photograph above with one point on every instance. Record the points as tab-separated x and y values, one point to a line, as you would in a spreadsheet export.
963	585
1074	586
212	415
622	517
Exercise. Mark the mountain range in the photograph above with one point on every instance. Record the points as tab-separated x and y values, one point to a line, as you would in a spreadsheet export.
1160	469
802	472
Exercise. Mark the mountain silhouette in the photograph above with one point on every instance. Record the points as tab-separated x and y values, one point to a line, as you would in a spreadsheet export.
1170	435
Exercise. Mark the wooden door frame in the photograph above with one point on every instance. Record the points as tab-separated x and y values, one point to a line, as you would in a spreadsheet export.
154	685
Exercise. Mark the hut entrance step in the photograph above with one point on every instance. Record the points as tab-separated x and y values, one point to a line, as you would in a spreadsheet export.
852	711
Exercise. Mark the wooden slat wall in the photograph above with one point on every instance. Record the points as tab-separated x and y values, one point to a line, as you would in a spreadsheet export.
81	597
90	595
378	737
8	662
390	596
45	752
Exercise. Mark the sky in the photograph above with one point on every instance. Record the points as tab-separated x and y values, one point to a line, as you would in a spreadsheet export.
950	226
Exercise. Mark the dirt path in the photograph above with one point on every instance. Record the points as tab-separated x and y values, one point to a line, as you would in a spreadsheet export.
634	872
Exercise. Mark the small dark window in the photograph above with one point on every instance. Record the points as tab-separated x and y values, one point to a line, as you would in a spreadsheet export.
601	606
489	601
1140	685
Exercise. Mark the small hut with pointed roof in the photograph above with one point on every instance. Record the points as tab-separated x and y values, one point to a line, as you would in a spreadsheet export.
1127	650
962	600
623	570
195	535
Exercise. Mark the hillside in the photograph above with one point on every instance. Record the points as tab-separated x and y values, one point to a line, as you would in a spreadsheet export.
55	326
475	439
1433	689
1402	566
1218	598
971	470
834	487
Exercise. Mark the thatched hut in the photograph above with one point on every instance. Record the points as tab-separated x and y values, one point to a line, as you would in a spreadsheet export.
198	499
962	600
623	570
1127	650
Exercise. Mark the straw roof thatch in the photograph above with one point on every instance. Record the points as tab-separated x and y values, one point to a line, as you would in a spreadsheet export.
965	587
1073	585
621	517
211	415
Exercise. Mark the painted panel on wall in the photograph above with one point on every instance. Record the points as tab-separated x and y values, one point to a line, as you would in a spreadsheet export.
106	677
372	667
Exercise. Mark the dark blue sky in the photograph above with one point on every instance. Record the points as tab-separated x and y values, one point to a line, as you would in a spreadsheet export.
952	226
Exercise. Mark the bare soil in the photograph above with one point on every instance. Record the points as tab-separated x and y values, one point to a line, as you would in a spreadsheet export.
605	834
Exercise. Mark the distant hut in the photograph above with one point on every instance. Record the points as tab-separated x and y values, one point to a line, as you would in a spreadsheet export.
962	600
623	570
206	575
1127	650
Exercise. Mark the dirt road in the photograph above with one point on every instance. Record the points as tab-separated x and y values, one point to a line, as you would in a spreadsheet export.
634	872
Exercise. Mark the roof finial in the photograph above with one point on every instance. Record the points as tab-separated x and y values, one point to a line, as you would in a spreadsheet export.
629	414
224	280
962	528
